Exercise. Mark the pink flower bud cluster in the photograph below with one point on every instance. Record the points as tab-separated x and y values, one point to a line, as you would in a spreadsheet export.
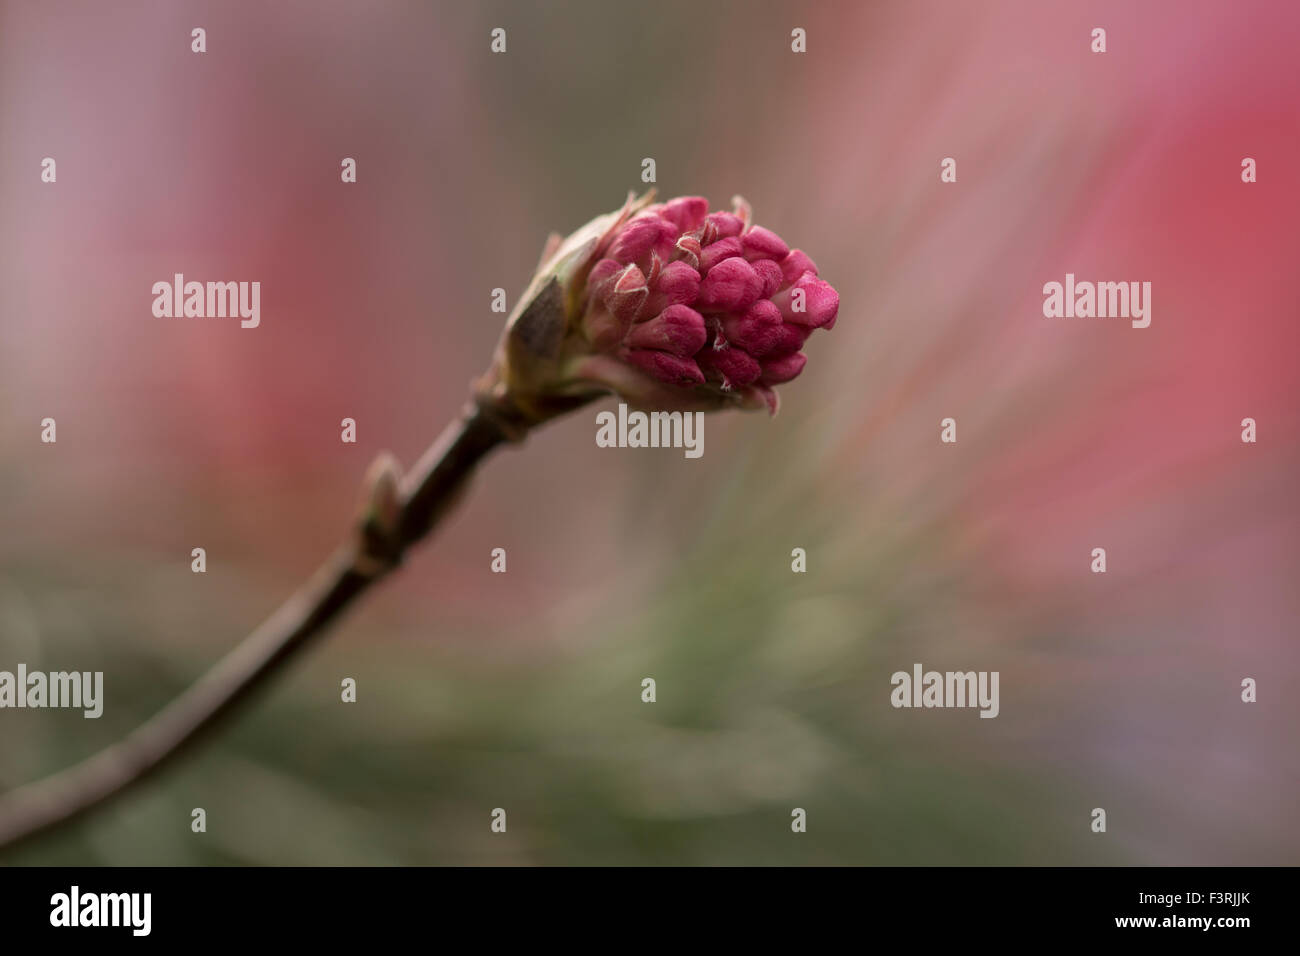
704	299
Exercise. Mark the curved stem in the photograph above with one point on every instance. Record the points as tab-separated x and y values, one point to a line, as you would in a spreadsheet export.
425	495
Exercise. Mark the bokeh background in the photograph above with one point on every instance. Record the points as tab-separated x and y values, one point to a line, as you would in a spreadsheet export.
522	690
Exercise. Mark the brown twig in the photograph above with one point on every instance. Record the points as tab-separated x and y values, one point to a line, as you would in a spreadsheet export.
417	504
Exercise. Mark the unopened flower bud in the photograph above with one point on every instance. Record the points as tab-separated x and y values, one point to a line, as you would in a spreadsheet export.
731	284
667	304
809	301
678	329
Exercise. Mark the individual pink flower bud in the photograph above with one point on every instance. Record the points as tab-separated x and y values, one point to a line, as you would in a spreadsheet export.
762	243
667	304
783	368
724	225
796	264
733	366
771	275
788	338
666	367
677	284
678	329
731	284
757	330
686	213
816	308
715	253
644	234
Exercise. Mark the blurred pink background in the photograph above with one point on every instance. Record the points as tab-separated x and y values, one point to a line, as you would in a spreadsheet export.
522	690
